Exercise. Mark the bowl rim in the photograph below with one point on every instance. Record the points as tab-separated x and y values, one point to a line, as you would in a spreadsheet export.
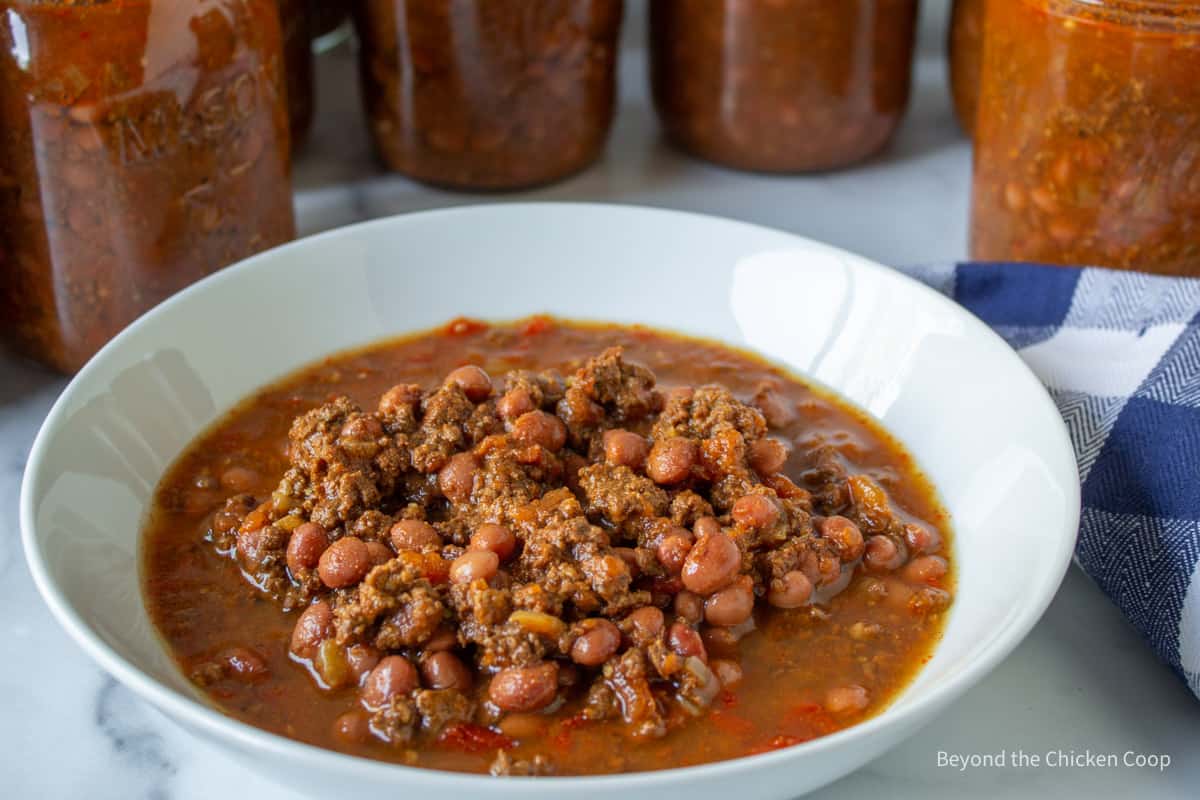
215	724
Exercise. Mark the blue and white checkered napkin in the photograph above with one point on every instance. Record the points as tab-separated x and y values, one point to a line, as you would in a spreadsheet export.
1120	353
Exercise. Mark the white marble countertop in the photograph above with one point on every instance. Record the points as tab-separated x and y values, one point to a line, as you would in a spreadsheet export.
1083	681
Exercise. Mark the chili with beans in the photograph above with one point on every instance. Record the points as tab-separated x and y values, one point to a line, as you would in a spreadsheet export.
548	548
143	145
489	94
1087	137
781	86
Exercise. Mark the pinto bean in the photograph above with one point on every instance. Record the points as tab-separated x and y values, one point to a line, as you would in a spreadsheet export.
474	565
474	382
414	534
514	403
362	658
684	641
401	398
457	478
846	699
844	535
767	456
689	607
538	427
711	564
895	593
379	553
444	670
444	638
670	461
921	539
755	511
578	409
244	664
792	590
731	606
597	645
625	448
673	549
927	600
706	526
305	547
392	677
496	538
353	727
777	411
882	554
362	429
523	726
925	569
240	479
645	624
314	626
344	563
525	689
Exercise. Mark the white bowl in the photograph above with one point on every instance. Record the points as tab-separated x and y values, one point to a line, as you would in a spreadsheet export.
976	419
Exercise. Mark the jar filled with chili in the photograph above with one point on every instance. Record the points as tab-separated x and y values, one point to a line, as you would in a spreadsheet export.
965	52
297	18
489	94
1087	142
781	85
143	145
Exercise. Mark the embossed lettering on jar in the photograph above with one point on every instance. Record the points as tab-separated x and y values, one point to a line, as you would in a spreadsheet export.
125	177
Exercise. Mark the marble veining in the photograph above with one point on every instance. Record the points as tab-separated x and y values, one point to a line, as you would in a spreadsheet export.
1081	681
122	719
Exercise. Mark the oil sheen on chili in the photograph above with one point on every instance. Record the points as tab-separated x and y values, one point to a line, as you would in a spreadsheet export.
547	548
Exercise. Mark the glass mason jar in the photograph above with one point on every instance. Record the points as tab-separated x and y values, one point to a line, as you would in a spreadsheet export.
296	18
143	145
965	51
1087	139
489	94
781	85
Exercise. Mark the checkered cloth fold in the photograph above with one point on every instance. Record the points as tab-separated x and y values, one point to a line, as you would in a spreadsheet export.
1120	354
